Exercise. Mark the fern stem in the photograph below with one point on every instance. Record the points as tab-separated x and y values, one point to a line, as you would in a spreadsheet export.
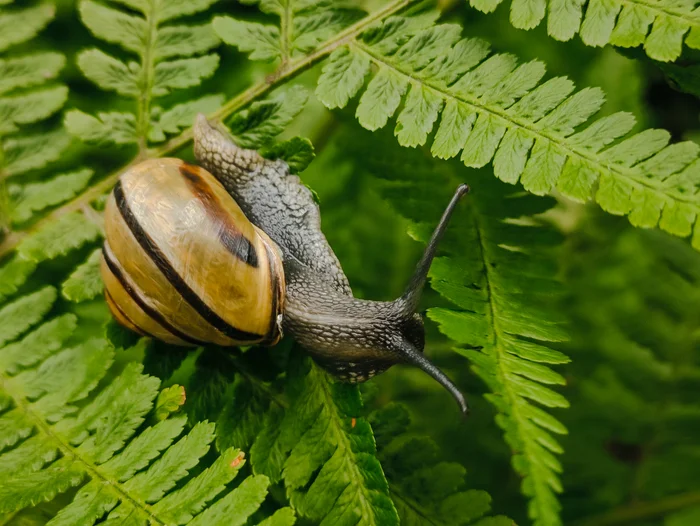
642	511
283	74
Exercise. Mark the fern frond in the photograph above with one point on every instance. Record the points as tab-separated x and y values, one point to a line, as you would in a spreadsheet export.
27	95
499	273
302	27
661	26
492	109
426	490
635	298
171	57
57	435
325	452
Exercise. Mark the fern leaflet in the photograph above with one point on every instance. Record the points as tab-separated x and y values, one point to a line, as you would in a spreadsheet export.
491	108
499	274
53	442
171	57
303	25
661	26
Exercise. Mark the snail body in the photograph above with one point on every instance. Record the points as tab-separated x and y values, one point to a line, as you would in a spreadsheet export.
187	255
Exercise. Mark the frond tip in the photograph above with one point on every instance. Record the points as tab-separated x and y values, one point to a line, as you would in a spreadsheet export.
490	108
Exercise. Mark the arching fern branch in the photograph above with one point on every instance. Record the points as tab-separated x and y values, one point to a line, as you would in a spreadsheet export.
171	57
29	95
492	109
661	26
499	274
57	434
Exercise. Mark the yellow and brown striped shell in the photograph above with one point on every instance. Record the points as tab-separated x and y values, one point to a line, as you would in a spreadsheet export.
182	263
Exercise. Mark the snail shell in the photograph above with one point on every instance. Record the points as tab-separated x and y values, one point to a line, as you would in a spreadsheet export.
183	264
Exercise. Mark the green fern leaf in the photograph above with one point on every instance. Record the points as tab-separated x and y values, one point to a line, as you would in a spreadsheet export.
25	153
24	312
297	152
13	275
303	26
259	124
115	127
499	275
19	26
85	282
169	401
629	379
180	116
18	107
171	57
52	442
661	27
494	110
325	453
29	70
39	196
69	232
426	491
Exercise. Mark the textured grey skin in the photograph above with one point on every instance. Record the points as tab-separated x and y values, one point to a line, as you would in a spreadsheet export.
353	339
272	198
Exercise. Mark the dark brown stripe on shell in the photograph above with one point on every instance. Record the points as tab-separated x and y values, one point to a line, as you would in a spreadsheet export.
229	234
157	256
145	307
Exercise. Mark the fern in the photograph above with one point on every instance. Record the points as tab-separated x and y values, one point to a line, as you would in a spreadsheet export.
499	274
303	25
171	57
426	491
28	94
636	453
128	471
661	26
494	109
325	452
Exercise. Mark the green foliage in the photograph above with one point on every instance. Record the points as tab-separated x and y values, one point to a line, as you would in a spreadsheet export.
493	109
426	490
325	452
635	372
28	95
98	425
661	27
499	273
303	25
130	471
171	57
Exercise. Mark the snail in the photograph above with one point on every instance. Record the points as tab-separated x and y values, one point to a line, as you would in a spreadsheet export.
231	252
